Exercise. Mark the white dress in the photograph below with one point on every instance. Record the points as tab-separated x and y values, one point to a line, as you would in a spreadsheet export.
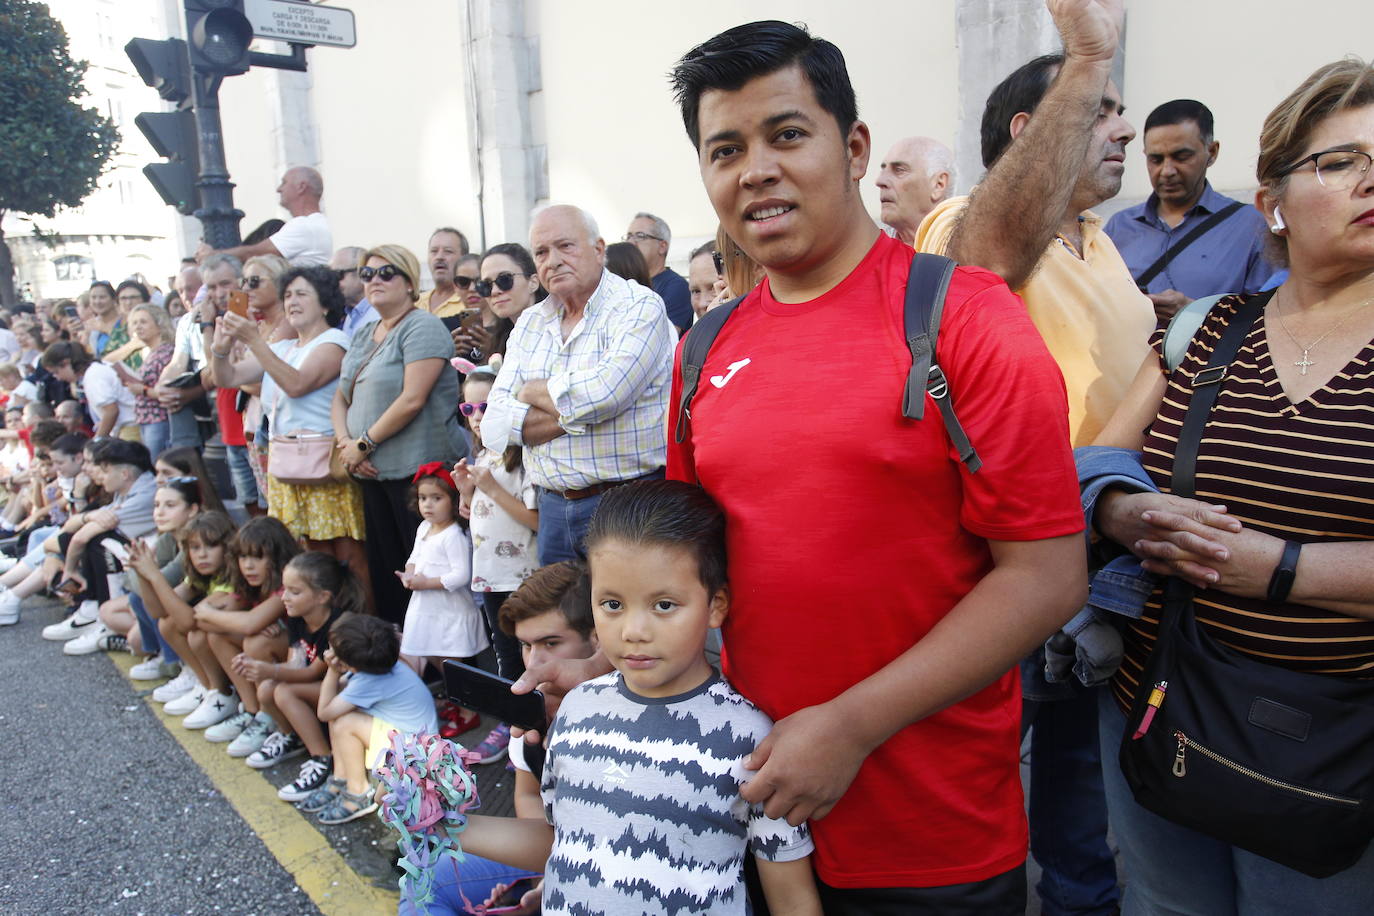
443	621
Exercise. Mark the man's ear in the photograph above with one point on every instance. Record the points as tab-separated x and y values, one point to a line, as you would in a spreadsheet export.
938	185
1212	149
859	146
1018	123
720	607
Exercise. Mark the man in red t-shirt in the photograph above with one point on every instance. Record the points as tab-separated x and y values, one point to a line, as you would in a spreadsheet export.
881	594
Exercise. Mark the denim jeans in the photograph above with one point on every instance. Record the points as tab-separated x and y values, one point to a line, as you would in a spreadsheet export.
153	643
1068	813
1174	871
183	430
156	437
474	879
245	484
34	558
563	525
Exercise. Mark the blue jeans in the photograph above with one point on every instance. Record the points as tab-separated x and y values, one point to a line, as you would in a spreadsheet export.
245	484
34	558
563	526
1068	813
1174	871
183	430
153	643
474	878
156	437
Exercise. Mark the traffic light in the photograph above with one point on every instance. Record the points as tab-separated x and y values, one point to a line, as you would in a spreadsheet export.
173	134
164	66
219	35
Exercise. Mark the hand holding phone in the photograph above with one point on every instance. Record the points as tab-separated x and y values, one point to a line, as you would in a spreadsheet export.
238	302
474	688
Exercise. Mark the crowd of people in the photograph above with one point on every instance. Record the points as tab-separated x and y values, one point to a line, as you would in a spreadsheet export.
301	482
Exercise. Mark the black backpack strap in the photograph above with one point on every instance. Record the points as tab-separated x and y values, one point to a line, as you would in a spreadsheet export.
1198	232
926	286
694	350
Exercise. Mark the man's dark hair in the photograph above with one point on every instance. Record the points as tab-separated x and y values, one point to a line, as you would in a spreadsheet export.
666	513
66	351
746	52
68	443
136	287
49	434
1180	111
120	451
1021	91
325	282
562	587
706	247
369	644
462	239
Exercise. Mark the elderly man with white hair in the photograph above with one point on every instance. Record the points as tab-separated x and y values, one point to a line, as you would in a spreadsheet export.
305	240
584	386
916	174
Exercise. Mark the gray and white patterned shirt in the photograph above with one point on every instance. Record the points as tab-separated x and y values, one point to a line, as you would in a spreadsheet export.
643	796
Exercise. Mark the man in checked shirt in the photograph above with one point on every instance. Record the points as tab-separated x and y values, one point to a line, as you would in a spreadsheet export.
584	384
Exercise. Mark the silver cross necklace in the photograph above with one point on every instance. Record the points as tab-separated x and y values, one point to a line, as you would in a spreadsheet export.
1303	363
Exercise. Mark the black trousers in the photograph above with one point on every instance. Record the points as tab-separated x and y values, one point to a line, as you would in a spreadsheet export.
97	564
390	528
1000	895
510	664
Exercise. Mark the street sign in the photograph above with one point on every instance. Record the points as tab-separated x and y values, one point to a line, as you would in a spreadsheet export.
306	23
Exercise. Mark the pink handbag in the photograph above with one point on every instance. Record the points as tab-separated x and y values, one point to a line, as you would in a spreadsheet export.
301	459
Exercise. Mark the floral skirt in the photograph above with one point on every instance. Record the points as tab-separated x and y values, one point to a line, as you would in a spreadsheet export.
318	511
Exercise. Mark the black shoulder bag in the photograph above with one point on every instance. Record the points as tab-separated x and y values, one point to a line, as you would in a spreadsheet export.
1274	761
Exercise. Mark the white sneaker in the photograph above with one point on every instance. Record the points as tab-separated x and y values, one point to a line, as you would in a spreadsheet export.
9	609
70	628
251	739
214	708
230	728
178	686
150	669
88	643
7	562
187	703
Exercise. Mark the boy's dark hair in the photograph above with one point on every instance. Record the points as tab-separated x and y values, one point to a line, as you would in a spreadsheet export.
1021	91
263	536
67	351
120	451
746	52
211	529
667	513
369	644
564	587
327	574
325	282
47	433
1180	111
67	443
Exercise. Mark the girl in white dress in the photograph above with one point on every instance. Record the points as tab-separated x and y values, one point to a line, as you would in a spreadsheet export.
442	621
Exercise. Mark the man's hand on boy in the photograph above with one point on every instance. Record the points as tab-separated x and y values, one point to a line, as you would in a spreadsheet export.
804	765
554	679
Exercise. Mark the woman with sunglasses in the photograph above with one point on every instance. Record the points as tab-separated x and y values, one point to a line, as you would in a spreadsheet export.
1279	543
392	412
509	285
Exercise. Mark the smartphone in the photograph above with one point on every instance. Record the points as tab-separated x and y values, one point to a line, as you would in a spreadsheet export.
70	311
471	319
510	900
474	688
719	260
238	302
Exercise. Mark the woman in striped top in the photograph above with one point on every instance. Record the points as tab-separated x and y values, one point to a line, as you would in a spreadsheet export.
1287	456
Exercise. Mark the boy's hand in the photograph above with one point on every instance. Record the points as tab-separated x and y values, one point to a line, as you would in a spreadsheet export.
804	765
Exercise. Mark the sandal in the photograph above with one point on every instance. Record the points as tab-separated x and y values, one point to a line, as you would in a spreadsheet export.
322	797
457	726
338	811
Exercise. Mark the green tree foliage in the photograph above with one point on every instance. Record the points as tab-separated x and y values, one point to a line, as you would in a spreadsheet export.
52	150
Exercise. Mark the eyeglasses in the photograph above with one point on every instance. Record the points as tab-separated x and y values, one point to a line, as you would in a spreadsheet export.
640	237
345	271
504	281
465	282
472	407
386	273
1337	169
252	282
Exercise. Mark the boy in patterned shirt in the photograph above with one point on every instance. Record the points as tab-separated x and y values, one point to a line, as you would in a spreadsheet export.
641	787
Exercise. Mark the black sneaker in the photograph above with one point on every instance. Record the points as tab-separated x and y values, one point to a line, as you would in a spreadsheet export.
315	772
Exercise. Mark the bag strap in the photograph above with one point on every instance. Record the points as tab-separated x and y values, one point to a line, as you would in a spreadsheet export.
694	350
1183	327
1198	232
376	348
926	287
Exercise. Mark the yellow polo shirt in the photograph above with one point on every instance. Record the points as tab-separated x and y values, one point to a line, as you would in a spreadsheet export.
1094	320
452	305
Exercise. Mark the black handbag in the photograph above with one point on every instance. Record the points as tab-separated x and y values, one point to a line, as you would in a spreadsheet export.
1273	761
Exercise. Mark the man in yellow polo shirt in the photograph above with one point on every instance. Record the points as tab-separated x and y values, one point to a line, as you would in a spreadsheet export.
1080	297
451	293
1097	325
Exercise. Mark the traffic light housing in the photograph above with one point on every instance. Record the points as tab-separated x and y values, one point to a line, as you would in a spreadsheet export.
172	134
219	35
164	65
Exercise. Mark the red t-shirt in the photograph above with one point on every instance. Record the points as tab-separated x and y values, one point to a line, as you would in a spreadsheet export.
852	531
230	420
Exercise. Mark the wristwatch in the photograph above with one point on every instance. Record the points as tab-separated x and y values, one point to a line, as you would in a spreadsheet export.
365	443
1281	582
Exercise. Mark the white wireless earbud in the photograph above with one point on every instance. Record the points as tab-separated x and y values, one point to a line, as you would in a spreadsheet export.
1279	224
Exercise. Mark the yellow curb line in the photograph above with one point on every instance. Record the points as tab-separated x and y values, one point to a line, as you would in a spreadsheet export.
319	871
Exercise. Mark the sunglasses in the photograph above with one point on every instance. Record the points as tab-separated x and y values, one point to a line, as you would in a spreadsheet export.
252	282
719	260
465	282
386	273
472	407
504	281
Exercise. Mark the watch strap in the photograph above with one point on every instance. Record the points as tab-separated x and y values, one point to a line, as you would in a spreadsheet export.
1281	582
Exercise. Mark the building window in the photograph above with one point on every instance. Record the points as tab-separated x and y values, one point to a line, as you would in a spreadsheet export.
74	267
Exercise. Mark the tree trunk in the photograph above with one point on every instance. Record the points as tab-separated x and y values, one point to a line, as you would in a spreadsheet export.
7	296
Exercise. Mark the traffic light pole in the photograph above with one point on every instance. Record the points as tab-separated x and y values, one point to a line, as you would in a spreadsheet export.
217	214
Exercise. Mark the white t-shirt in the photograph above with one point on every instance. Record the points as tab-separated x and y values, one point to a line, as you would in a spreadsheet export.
190	340
9	346
101	386
305	240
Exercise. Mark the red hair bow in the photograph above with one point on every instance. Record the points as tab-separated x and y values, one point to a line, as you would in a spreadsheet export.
432	469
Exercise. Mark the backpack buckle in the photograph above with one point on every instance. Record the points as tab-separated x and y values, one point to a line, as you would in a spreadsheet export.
1209	376
936	383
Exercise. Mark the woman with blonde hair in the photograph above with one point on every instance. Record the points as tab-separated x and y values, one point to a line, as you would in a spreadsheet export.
152	329
392	412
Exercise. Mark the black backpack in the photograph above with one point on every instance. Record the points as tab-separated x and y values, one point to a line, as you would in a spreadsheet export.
925	301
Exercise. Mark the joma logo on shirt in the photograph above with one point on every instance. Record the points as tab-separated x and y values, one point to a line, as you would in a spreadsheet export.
614	774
